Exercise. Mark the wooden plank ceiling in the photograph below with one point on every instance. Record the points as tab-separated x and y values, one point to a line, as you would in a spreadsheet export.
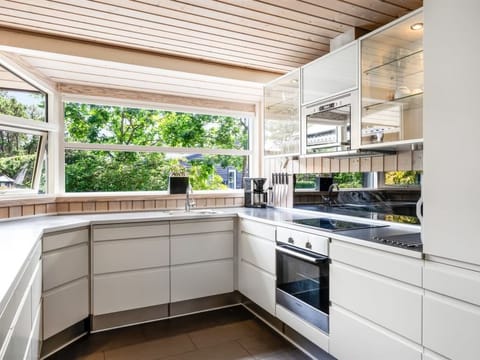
269	35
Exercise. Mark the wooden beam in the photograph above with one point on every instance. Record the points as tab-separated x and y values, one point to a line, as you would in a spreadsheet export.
11	39
154	98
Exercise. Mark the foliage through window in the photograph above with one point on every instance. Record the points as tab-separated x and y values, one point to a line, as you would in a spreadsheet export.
22	135
113	148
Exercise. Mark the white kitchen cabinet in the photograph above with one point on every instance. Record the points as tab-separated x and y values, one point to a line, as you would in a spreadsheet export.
201	279
64	265
379	295
451	223
257	285
130	290
451	311
65	280
64	306
392	83
353	337
130	266
396	306
331	74
256	273
20	319
201	258
282	115
124	255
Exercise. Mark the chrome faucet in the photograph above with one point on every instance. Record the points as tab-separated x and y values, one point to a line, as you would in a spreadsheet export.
329	199
189	203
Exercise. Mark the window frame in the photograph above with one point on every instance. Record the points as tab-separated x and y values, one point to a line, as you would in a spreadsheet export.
252	145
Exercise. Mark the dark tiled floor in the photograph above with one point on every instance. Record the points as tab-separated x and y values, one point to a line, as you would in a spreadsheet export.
226	334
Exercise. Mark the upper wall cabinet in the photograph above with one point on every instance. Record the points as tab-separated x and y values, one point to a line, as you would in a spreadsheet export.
331	74
282	116
392	83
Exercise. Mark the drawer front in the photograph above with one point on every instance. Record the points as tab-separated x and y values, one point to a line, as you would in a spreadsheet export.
8	314
123	255
129	231
451	327
258	251
201	247
381	262
130	290
35	336
313	334
65	306
20	333
318	243
452	281
64	239
203	279
64	265
196	227
36	288
352	337
258	229
258	285
389	303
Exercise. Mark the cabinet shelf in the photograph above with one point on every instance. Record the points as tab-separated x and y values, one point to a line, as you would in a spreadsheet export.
411	101
412	62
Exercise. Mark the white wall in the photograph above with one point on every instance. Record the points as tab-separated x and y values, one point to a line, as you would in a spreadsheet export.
451	188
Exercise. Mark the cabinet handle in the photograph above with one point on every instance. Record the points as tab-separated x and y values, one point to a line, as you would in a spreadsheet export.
308	245
290	240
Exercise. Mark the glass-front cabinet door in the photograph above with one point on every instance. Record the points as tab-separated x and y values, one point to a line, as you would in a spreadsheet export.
392	83
282	115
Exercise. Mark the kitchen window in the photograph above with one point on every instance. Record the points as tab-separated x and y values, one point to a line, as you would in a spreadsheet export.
111	148
23	136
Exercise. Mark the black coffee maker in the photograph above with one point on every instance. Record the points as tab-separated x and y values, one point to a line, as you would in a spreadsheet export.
255	195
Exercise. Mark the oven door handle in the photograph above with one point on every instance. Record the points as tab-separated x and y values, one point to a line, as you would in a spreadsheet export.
307	256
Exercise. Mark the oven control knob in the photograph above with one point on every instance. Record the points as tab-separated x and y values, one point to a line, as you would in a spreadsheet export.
308	245
290	240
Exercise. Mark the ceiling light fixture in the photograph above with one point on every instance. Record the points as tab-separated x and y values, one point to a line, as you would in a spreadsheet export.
417	26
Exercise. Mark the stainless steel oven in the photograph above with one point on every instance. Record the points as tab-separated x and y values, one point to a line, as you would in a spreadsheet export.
327	124
302	283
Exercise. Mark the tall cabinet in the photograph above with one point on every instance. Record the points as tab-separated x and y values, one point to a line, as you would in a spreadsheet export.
392	83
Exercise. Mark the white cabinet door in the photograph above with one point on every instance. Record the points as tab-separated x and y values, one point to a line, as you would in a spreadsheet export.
18	341
123	255
387	302
331	74
192	248
65	306
130	290
354	338
198	280
64	265
258	285
450	327
258	252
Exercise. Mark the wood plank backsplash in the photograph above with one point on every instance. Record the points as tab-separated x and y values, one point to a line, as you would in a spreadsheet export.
95	204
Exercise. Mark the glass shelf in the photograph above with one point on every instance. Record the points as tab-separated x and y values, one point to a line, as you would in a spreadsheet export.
412	101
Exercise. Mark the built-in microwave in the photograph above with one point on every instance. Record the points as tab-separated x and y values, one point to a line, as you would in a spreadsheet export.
327	124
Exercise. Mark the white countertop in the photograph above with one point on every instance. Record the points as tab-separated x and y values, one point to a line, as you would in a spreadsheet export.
19	237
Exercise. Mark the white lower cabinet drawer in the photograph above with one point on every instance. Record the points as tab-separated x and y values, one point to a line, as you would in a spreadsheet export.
354	338
124	255
65	306
258	285
193	248
395	305
130	290
202	279
18	343
451	327
310	332
64	265
258	251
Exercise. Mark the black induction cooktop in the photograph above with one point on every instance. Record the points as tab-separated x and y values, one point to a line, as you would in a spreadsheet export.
334	225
